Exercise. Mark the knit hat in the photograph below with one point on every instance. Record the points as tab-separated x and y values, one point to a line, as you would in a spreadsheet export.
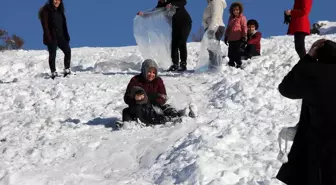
146	65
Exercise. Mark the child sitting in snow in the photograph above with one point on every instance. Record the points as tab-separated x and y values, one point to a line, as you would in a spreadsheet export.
146	97
236	33
144	111
252	47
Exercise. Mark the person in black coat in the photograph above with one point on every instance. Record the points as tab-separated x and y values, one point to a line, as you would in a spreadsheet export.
143	109
312	159
181	27
55	34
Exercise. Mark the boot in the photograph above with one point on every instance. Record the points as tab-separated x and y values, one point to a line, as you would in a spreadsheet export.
183	67
54	75
66	72
231	63
173	67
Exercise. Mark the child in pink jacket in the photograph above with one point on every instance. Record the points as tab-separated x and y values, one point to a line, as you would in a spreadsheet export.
236	33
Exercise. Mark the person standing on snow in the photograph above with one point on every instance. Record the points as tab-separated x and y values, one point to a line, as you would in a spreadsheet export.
312	158
213	22
181	27
236	34
55	34
299	24
146	98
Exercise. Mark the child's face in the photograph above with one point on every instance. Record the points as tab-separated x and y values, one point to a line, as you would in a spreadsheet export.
139	97
250	28
236	11
151	74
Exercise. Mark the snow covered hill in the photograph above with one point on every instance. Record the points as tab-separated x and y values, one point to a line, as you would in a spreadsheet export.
61	132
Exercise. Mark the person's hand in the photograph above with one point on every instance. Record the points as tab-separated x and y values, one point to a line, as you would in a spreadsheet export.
140	13
244	39
162	96
211	34
287	18
319	43
169	5
288	12
139	97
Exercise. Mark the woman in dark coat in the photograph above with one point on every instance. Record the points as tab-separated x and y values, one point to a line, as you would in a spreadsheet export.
181	27
312	159
55	34
146	98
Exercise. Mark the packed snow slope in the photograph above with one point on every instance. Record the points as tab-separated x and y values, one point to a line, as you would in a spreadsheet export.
62	132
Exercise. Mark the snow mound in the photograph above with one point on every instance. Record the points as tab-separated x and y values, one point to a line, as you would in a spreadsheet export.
63	131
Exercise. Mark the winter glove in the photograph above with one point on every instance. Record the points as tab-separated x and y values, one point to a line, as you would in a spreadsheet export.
287	18
242	47
243	40
211	34
243	43
226	41
154	97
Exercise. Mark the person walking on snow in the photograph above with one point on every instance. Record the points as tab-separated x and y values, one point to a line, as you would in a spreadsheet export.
213	23
181	27
55	34
236	34
299	24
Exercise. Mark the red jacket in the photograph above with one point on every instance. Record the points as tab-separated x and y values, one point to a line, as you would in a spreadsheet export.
255	40
153	89
299	17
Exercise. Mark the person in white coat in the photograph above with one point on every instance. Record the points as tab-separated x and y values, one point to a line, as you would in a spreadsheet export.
214	27
213	18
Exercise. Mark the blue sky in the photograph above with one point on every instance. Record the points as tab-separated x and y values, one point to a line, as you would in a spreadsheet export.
109	23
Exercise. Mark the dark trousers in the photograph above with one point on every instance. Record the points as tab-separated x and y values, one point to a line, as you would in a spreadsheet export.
131	114
146	115
142	112
299	41
65	47
250	51
180	36
234	53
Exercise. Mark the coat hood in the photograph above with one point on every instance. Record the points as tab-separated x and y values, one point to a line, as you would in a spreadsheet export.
146	65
